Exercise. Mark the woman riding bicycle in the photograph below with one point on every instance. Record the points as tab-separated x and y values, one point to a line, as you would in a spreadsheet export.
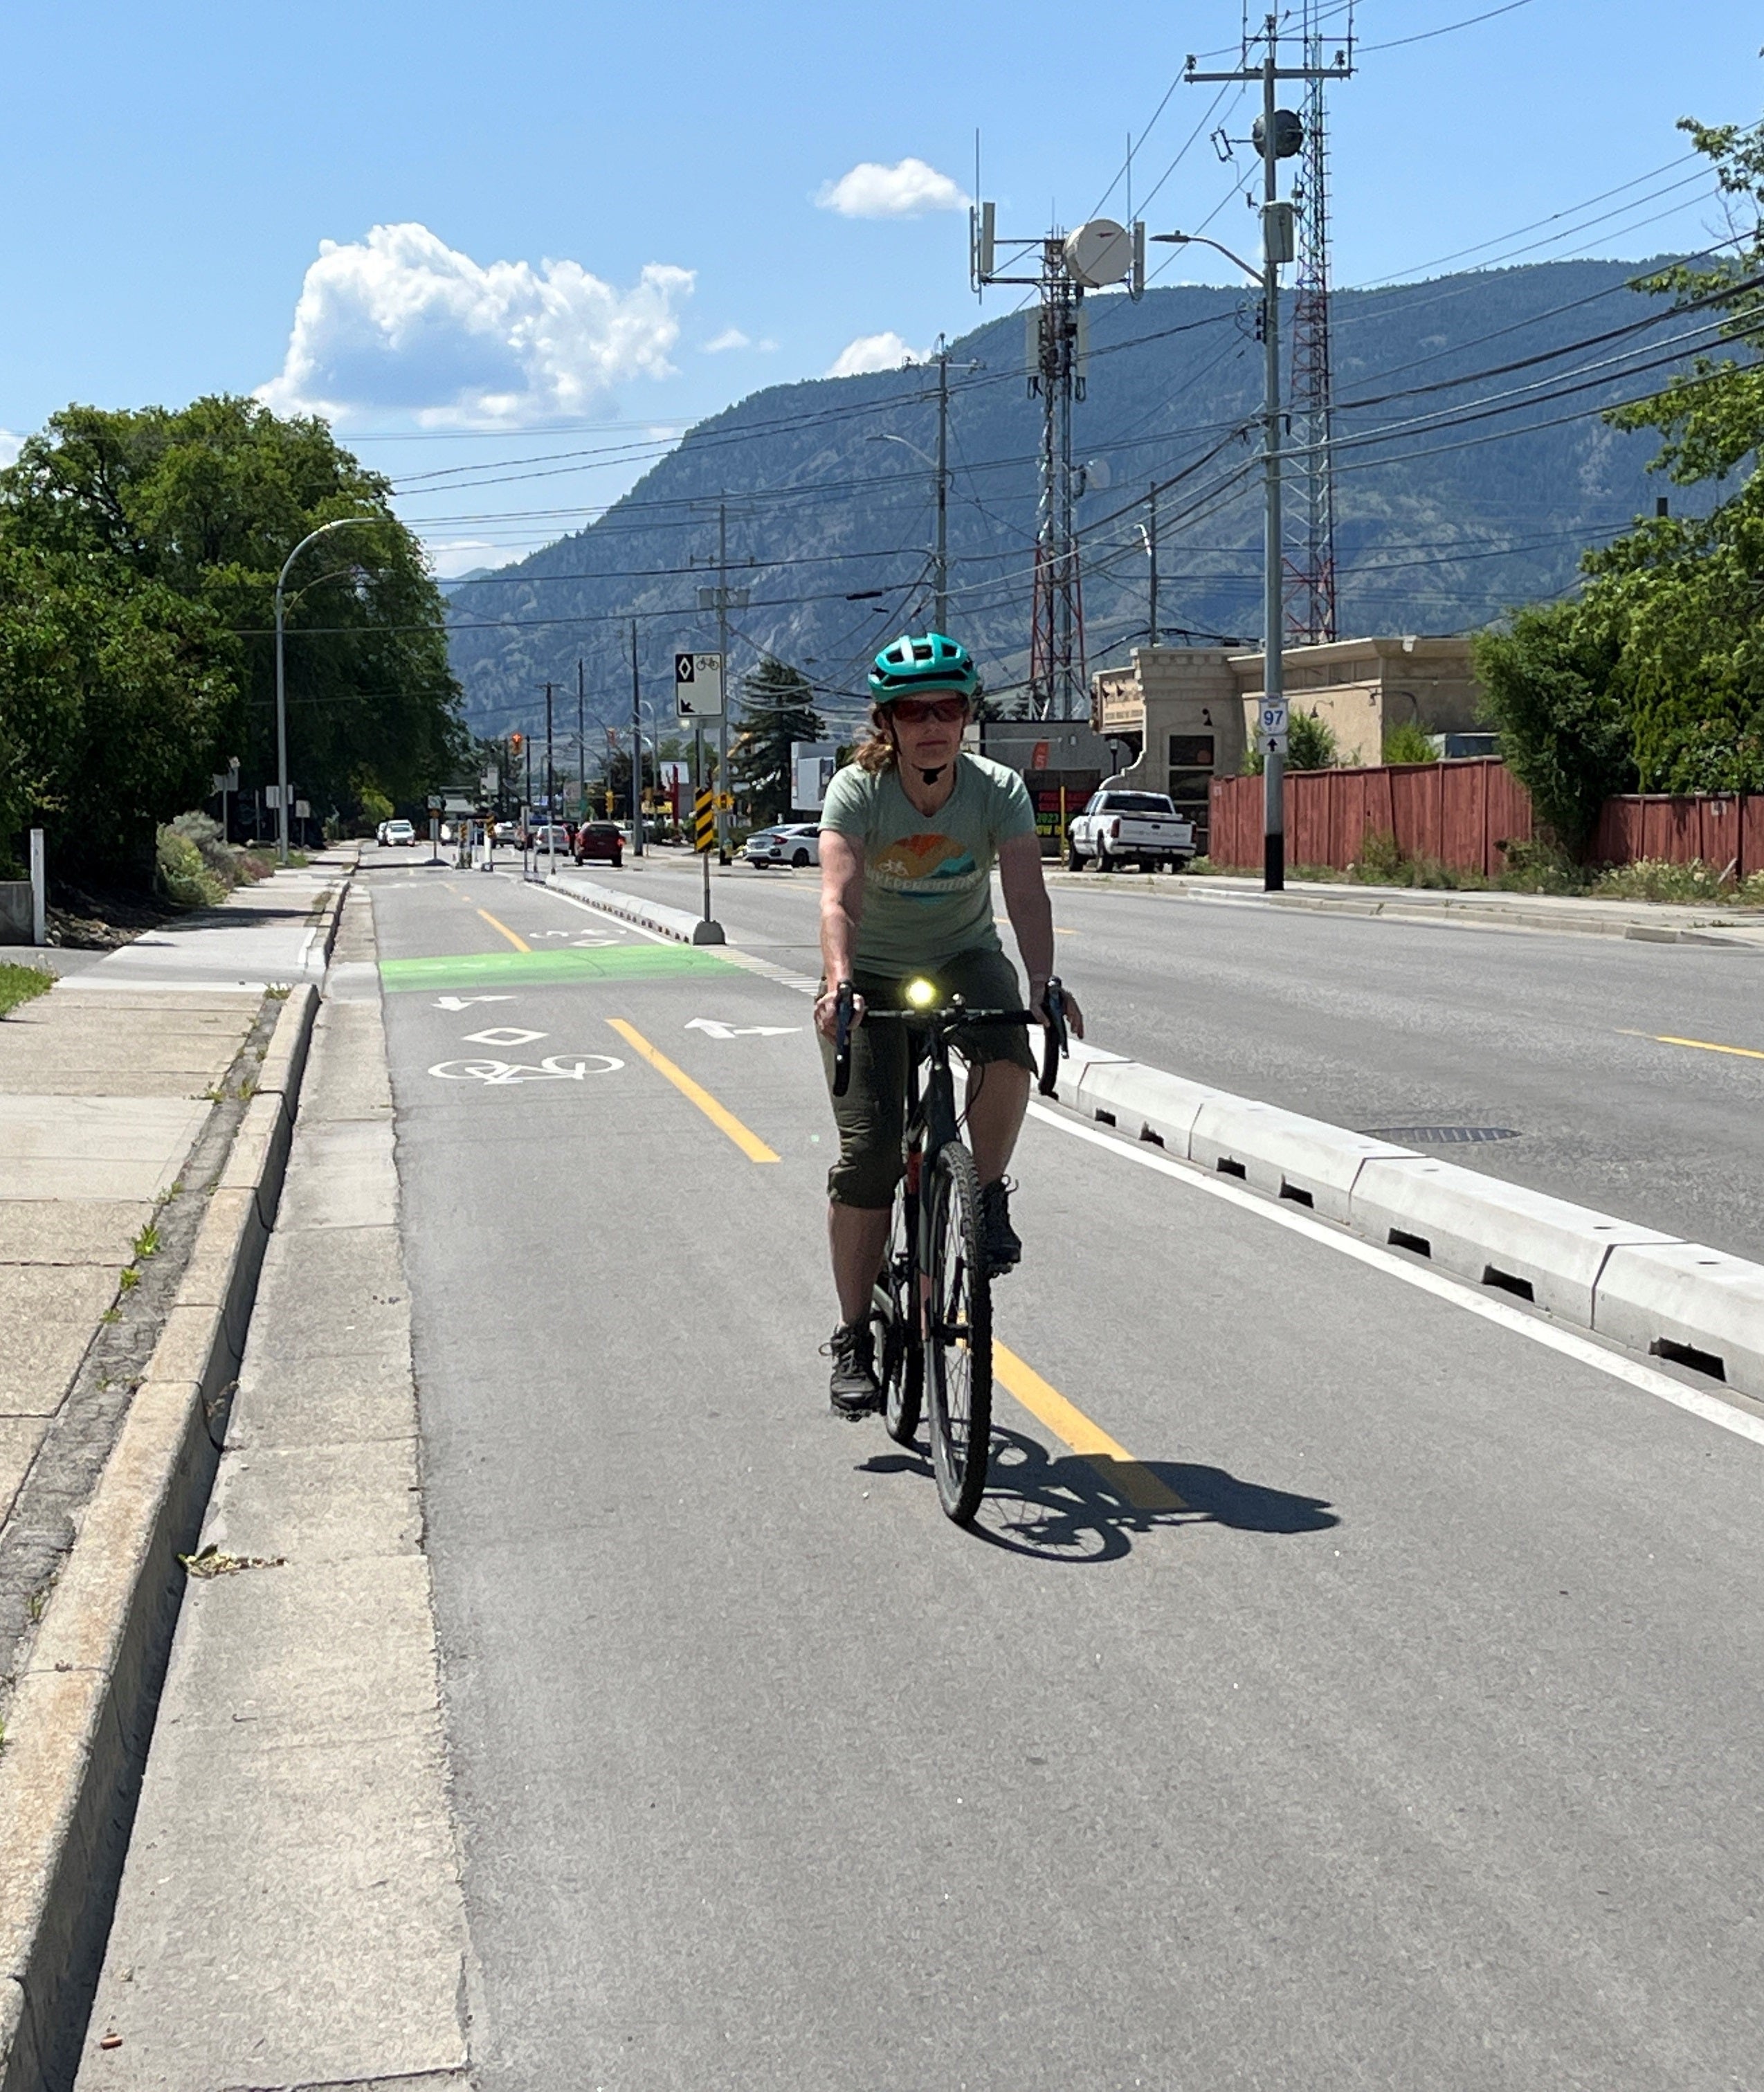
911	832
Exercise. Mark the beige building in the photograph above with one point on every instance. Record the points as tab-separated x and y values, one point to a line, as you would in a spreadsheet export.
1179	716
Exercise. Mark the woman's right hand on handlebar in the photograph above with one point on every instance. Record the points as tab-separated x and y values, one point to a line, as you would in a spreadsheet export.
826	1013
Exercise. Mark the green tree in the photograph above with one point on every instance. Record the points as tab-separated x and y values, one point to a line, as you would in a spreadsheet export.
1408	742
777	709
202	504
1654	678
112	700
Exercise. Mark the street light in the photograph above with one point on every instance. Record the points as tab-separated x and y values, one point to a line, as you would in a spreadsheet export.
311	538
1277	247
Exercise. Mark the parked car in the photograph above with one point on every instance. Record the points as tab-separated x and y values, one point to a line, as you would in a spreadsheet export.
600	842
401	834
1139	827
796	843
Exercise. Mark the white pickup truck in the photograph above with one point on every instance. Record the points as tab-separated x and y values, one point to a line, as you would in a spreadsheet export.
1130	828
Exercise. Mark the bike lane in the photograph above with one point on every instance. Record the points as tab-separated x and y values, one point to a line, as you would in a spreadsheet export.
1401	1731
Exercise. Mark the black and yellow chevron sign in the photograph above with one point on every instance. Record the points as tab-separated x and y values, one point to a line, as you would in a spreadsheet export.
704	821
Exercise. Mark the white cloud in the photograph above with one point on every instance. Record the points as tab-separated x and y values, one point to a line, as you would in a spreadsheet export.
904	190
10	446
730	338
875	352
401	321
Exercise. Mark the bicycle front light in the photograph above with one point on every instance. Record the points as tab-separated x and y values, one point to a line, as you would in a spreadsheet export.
921	994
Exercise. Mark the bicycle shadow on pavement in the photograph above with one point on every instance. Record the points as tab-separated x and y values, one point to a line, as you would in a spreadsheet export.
1065	1507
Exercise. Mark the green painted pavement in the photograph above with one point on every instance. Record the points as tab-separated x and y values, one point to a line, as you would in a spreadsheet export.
485	969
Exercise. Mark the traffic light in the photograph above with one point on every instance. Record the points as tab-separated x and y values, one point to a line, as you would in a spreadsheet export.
514	742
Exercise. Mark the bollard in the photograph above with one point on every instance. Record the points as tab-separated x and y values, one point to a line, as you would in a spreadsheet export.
39	891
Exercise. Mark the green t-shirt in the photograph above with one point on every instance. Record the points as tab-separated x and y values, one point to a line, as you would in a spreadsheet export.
927	891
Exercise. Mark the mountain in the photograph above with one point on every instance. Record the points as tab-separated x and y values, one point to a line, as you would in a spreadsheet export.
1439	527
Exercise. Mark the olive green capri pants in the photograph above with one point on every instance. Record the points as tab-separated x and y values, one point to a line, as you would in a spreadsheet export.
871	1116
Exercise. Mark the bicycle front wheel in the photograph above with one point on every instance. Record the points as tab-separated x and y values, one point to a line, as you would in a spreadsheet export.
958	1336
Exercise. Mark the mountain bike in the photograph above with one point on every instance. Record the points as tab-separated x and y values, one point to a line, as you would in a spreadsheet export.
931	1309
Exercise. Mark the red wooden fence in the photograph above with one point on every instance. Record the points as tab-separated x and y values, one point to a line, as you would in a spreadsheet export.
1462	812
1728	830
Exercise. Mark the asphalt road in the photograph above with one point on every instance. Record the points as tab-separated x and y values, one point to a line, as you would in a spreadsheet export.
1414	1737
1557	1039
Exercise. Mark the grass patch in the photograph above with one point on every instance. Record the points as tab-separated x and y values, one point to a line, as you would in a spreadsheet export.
19	984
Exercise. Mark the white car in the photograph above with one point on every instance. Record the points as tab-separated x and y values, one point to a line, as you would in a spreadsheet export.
796	843
399	833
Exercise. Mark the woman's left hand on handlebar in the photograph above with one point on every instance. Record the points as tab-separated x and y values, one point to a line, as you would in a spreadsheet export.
1074	1017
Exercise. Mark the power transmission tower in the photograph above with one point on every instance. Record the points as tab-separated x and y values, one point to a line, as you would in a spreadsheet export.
1310	591
1098	253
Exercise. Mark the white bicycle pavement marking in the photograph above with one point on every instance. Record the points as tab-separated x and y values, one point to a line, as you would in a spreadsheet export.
553	1068
503	1034
712	1029
465	1001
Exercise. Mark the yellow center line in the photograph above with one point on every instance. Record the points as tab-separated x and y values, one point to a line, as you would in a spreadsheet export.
1141	1488
1701	1045
720	1116
520	944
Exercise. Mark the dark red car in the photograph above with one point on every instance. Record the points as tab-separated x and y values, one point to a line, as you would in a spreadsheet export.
600	842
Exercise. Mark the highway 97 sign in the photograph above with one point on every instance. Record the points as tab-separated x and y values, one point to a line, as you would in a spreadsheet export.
1272	726
698	686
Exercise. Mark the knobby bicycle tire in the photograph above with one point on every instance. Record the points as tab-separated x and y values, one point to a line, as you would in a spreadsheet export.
958	1336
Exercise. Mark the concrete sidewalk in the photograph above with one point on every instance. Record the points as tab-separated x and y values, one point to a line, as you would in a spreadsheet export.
112	1086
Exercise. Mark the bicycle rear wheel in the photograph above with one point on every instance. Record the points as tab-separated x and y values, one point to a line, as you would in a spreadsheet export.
899	1350
958	1336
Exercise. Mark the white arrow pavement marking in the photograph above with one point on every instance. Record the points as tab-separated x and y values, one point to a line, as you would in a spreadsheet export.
465	1001
503	1034
712	1029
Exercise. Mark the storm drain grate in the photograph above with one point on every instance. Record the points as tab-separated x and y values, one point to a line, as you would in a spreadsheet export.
1438	1136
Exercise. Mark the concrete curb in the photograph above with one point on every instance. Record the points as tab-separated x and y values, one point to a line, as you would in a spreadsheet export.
1669	1299
1652	1292
1398	904
83	1713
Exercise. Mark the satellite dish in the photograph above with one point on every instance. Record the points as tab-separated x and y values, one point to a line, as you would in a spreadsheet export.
1099	253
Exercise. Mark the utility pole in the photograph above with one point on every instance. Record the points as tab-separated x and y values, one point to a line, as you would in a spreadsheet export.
550	787
1281	134
942	567
581	736
1150	554
637	752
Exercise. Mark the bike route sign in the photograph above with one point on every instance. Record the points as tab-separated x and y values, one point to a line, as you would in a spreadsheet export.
698	686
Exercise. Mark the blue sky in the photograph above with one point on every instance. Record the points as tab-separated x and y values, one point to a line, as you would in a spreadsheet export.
614	220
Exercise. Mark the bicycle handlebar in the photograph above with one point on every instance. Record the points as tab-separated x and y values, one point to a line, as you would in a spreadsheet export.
952	1018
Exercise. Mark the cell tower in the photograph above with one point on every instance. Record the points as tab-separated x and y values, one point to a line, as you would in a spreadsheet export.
1098	253
1310	570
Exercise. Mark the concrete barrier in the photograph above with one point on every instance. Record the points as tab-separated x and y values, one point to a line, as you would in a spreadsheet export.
1688	1302
1145	1103
1491	1232
1286	1155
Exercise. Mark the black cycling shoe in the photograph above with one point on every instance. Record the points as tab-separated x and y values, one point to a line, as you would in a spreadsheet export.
854	1392
999	1239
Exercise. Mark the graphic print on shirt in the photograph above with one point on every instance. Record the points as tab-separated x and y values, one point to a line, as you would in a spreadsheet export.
925	868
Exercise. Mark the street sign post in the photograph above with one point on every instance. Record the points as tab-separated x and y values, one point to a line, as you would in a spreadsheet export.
698	686
1272	726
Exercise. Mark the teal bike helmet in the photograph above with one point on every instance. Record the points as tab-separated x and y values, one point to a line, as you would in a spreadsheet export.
908	667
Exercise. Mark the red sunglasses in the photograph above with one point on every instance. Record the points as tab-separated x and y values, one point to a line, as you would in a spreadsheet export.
915	711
